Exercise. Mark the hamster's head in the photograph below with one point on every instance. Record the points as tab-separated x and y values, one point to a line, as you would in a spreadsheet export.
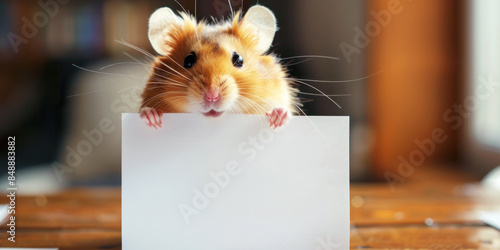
208	66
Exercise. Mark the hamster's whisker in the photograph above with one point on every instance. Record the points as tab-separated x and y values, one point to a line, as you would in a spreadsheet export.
165	80
172	60
175	73
176	93
168	83
163	87
153	57
246	110
234	109
314	94
151	99
124	63
299	109
339	81
294	99
310	56
137	60
109	74
241	9
321	92
162	77
230	7
262	87
146	102
327	81
97	91
243	107
181	6
146	67
264	100
311	122
197	76
159	104
256	106
238	110
174	101
270	90
299	62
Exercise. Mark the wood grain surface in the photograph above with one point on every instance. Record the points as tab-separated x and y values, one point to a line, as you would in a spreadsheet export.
436	209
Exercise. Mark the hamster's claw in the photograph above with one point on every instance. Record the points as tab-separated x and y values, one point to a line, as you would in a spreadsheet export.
151	117
278	117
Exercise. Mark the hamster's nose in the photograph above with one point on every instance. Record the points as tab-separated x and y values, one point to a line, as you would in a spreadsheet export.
212	95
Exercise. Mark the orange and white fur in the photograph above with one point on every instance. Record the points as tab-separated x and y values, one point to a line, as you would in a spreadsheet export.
218	68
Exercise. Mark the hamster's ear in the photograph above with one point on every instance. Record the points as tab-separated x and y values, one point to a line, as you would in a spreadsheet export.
262	20
160	22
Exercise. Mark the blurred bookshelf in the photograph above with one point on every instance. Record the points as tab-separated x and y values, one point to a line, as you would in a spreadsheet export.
83	29
35	80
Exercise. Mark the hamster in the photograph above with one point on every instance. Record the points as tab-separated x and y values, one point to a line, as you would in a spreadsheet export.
214	69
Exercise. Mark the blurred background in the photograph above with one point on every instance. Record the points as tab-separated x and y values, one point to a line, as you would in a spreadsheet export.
419	80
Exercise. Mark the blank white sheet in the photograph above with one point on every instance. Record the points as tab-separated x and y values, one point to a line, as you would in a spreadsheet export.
234	183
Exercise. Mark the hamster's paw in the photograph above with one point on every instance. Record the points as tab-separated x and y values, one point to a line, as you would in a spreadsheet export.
278	117
151	117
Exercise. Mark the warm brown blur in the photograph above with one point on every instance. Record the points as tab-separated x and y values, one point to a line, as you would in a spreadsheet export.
396	79
418	54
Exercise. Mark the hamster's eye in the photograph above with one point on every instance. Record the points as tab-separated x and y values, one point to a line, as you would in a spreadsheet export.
190	60
237	60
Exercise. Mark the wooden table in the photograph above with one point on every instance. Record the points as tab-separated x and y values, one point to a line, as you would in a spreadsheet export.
434	209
